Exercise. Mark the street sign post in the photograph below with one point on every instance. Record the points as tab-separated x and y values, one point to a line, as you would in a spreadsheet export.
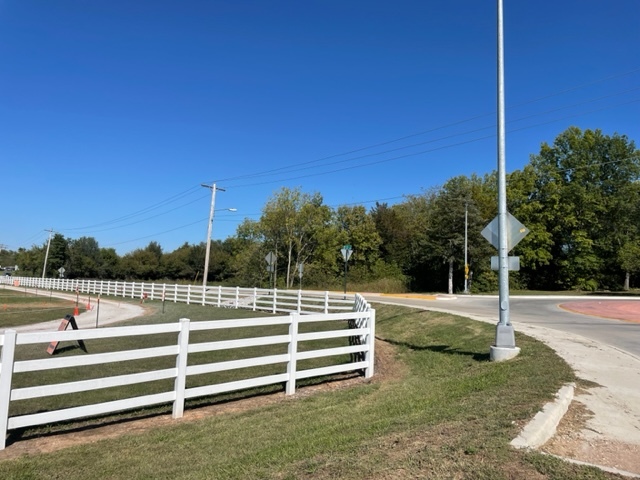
346	255
300	272
516	231
270	258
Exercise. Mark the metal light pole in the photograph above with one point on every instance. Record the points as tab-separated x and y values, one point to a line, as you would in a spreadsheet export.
46	256
505	336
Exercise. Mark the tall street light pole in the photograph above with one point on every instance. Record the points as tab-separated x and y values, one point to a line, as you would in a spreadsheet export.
505	345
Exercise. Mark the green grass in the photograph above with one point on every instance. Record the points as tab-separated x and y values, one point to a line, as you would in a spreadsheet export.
26	308
171	314
442	411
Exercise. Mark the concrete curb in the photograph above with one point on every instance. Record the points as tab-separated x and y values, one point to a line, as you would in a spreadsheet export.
543	426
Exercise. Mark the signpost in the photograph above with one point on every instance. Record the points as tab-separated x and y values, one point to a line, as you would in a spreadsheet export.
300	271
515	231
346	254
271	266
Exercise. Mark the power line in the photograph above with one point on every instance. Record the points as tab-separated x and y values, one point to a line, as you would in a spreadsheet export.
424	132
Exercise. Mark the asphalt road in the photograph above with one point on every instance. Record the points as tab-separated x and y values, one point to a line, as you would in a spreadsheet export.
538	311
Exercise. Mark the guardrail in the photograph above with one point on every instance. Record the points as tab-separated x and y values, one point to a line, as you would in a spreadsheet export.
354	332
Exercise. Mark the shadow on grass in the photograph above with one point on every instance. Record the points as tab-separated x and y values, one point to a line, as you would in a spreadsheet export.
113	420
478	357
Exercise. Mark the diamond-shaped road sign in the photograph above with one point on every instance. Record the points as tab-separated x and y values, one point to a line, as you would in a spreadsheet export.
516	231
270	258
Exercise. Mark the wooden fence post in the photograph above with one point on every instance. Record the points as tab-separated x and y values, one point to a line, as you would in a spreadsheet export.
293	352
181	365
6	374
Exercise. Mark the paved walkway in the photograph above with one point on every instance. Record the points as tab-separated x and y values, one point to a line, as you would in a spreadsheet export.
110	311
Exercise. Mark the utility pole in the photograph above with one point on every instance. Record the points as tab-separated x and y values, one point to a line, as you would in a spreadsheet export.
209	227
213	188
466	264
46	256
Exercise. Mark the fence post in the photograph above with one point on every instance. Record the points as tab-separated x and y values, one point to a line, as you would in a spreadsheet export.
293	353
255	297
299	301
6	374
188	294
371	342
326	302
275	296
181	367
237	297
204	294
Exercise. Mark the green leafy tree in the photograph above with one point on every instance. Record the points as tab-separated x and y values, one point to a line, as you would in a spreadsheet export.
59	254
355	227
84	258
576	191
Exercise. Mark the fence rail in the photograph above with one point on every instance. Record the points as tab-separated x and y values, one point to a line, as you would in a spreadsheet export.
295	346
262	299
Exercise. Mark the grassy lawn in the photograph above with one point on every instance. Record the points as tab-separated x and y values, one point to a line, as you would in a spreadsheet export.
24	308
438	409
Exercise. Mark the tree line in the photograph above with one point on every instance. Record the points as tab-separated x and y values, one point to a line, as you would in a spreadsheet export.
579	197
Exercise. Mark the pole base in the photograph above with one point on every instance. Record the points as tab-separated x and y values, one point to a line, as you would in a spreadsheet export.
500	354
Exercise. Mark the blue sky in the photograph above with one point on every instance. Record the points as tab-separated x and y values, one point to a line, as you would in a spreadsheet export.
113	113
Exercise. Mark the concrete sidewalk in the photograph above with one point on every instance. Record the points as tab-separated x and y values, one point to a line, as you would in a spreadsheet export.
609	436
111	311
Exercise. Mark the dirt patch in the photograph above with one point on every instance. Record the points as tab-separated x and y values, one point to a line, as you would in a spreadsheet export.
572	440
387	367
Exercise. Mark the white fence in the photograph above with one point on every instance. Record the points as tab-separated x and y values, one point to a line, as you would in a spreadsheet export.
272	300
356	326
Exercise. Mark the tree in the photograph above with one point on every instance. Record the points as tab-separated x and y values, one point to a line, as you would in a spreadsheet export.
84	258
59	254
576	193
447	227
358	229
290	226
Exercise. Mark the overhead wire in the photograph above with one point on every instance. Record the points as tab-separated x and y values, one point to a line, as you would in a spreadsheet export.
309	164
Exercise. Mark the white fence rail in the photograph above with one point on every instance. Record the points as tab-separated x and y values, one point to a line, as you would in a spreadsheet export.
300	346
271	300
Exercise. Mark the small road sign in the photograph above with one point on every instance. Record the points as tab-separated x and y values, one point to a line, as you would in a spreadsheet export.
346	252
516	231
270	258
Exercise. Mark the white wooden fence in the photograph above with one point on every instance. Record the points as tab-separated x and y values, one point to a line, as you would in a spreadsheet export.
272	300
360	348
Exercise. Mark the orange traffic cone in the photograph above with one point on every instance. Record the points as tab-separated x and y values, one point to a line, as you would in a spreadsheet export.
75	311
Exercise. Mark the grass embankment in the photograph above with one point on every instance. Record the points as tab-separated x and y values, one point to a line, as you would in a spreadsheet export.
441	410
26	307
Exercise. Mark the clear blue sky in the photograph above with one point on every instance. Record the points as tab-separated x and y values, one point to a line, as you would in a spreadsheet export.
114	112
